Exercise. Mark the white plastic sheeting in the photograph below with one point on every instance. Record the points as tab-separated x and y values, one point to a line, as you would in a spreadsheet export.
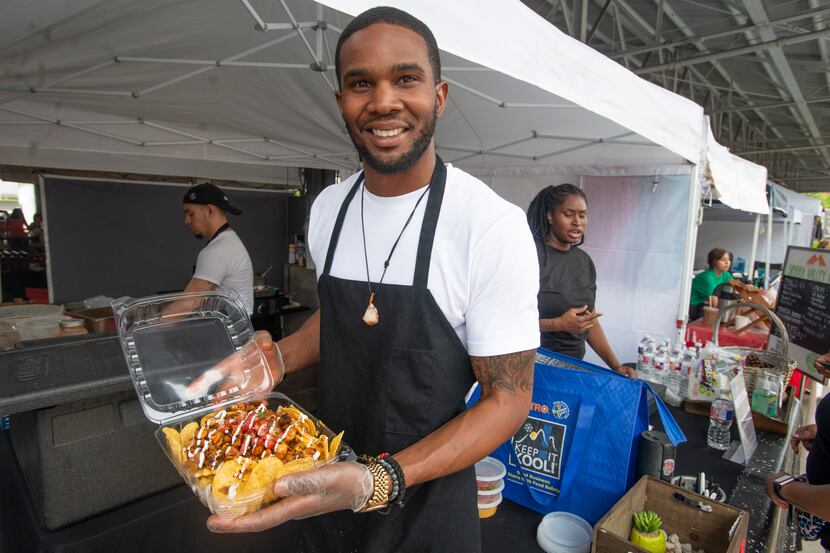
635	236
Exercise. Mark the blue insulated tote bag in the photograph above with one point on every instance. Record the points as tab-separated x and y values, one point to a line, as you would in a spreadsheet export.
577	450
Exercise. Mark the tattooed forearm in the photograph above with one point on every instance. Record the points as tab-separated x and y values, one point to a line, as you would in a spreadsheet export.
511	373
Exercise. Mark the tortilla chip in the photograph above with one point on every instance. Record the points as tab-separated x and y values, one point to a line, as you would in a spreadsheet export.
334	446
262	478
188	432
322	446
297	465
231	476
174	442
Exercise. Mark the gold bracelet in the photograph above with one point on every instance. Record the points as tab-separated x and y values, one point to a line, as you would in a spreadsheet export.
380	491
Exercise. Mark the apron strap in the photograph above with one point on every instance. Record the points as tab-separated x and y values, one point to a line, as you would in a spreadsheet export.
433	209
338	224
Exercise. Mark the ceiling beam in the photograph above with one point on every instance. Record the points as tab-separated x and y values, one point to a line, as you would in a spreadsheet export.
675	18
770	106
758	14
771	44
721	34
780	150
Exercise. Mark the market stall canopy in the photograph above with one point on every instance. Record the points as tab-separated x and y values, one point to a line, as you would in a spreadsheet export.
738	183
242	90
791	202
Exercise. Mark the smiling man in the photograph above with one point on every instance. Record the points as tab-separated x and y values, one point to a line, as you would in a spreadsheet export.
427	284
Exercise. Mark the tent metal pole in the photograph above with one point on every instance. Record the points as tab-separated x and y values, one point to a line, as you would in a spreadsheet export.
692	222
769	247
754	252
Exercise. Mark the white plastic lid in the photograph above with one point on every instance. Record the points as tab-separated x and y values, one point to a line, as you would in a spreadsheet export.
189	350
499	487
490	469
562	532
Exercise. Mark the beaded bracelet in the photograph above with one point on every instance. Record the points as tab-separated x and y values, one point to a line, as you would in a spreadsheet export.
398	471
395	484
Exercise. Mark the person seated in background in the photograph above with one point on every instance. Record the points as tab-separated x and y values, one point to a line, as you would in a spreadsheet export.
558	218
704	283
810	493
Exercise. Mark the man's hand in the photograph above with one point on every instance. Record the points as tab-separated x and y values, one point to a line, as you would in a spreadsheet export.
230	372
306	494
576	320
804	436
771	494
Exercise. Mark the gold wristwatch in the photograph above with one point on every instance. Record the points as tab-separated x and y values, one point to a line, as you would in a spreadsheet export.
380	491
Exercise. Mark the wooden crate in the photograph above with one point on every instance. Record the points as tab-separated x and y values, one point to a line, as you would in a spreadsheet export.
709	531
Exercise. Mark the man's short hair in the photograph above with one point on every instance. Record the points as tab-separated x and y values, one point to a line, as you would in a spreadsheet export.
390	16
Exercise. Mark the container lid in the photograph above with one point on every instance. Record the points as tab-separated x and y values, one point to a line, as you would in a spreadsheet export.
490	469
562	532
189	350
72	323
490	505
499	487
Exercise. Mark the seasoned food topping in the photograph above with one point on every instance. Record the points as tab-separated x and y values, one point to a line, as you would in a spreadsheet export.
239	451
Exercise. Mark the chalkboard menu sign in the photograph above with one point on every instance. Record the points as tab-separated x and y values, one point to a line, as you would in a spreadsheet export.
804	305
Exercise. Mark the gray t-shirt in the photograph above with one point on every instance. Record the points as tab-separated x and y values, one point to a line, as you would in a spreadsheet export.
225	263
566	280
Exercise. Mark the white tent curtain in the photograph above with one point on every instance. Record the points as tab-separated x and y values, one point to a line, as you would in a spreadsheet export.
635	237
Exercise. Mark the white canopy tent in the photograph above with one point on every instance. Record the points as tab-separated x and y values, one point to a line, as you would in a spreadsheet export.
217	89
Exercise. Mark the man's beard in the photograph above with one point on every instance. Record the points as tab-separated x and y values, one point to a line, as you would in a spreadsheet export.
405	160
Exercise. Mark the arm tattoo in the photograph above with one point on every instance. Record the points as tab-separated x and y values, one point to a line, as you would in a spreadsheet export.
512	372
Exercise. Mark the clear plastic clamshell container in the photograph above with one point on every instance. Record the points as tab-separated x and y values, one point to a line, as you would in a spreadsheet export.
200	375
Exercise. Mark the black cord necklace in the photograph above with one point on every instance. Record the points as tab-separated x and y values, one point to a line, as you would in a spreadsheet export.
371	316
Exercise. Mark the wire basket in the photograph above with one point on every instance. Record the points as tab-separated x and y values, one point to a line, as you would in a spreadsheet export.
781	364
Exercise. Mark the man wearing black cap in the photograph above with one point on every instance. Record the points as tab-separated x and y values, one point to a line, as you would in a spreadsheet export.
224	261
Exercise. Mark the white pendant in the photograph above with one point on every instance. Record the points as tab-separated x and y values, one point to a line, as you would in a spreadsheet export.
371	317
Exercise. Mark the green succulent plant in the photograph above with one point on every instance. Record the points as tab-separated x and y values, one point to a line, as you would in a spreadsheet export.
647	521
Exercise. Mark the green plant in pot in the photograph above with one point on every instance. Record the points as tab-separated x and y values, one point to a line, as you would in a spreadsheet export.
647	533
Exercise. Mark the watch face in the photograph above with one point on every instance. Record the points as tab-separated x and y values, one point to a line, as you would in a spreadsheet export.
784	479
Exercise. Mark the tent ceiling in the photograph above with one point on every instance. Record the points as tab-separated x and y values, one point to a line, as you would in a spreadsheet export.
191	87
768	100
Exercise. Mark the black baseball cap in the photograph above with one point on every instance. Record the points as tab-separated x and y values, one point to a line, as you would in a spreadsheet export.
206	193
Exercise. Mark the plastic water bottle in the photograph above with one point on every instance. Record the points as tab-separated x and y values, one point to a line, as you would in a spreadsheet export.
673	379
647	372
720	417
686	370
661	363
641	348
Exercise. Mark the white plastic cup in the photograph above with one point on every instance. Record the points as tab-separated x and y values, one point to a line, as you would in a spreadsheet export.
562	532
489	474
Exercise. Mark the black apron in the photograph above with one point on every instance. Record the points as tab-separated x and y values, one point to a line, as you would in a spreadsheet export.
388	386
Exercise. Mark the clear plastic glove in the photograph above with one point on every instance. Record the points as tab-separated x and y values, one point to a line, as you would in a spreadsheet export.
231	371
306	494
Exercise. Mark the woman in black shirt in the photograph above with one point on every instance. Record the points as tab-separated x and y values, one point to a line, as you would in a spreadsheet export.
558	217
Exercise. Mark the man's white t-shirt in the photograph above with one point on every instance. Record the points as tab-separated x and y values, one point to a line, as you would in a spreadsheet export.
484	273
225	263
